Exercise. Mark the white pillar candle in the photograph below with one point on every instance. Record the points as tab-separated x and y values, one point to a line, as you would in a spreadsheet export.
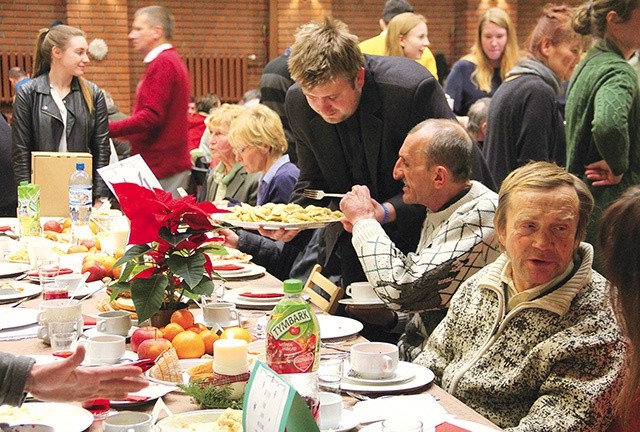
230	356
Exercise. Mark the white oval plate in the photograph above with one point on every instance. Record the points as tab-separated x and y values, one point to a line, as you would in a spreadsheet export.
422	376
181	422
8	269
21	290
17	317
60	416
333	327
261	299
151	392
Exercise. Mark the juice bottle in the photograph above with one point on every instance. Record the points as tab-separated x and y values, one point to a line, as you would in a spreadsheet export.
29	209
293	344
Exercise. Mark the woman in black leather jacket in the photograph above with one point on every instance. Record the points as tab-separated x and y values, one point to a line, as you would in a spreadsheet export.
39	117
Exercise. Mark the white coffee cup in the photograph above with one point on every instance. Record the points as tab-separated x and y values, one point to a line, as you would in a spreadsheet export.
104	349
362	292
221	313
330	410
374	360
128	421
58	310
114	322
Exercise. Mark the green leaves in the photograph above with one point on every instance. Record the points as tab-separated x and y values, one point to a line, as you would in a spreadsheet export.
148	295
190	268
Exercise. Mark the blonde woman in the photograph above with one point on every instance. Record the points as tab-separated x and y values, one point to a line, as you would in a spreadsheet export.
58	110
228	180
258	140
479	73
407	36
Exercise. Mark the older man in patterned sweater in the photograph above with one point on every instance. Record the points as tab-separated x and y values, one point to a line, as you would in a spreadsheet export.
457	237
531	340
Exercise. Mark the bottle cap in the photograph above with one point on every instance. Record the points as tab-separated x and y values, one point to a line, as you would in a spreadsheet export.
24	183
80	166
292	286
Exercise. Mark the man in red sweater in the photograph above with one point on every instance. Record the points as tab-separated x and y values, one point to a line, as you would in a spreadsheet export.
157	128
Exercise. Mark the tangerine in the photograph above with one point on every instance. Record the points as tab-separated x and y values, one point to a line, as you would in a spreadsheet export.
197	327
188	345
209	337
171	330
236	333
183	317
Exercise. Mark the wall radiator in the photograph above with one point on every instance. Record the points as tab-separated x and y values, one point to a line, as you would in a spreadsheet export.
226	76
7	61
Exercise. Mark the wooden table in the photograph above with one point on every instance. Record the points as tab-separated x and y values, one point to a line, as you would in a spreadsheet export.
178	402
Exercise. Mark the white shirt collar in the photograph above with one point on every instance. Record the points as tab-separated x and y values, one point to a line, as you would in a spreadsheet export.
151	55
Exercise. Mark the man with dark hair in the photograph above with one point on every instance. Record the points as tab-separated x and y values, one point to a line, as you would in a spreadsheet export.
157	128
18	77
375	45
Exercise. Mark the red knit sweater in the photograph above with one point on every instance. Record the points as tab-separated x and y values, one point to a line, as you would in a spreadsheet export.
157	128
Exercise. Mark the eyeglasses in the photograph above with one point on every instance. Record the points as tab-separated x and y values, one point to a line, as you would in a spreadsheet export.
241	150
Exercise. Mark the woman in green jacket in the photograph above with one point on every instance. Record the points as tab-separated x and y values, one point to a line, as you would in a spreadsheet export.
603	104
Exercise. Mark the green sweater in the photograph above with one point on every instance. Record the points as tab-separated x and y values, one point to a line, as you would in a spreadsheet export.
603	122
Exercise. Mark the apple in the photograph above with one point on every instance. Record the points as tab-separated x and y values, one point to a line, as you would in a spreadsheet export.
88	242
97	270
143	333
152	348
52	225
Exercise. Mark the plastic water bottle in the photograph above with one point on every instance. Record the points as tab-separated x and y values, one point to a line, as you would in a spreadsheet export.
80	199
293	344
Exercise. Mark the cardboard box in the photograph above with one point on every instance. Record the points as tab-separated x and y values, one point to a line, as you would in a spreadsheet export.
51	170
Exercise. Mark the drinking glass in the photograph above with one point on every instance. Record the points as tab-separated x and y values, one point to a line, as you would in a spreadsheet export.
62	344
399	424
330	372
48	269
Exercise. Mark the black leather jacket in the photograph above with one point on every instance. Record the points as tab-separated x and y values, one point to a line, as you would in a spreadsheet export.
37	126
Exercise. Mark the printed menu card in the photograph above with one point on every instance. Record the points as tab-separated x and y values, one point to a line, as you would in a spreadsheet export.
273	405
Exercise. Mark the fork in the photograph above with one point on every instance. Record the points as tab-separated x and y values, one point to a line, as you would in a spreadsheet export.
316	194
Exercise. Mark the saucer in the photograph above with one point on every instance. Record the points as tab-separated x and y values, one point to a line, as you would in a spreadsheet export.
368	303
127	357
347	422
399	376
224	325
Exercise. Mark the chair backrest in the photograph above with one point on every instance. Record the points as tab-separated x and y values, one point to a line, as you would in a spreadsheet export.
332	291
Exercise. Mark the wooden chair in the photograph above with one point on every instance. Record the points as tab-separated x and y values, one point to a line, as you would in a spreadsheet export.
331	291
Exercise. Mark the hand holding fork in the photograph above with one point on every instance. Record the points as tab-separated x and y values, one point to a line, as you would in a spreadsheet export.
316	194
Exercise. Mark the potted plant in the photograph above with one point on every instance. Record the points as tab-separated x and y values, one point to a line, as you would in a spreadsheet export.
167	259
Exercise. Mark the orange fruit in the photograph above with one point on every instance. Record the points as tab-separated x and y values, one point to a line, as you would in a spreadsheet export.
236	333
183	317
66	223
119	253
209	337
188	345
197	327
171	330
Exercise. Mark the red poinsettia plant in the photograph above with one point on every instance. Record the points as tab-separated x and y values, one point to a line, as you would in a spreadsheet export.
170	241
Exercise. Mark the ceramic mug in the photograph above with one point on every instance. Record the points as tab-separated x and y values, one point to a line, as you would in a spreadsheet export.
362	292
58	310
221	313
104	349
374	360
330	410
128	421
114	322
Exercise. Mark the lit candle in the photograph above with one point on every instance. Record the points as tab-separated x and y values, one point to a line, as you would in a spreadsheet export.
230	356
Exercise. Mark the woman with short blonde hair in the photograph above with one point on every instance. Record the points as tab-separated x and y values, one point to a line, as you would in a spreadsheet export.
257	138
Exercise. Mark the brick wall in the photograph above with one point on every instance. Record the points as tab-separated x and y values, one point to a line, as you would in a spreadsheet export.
238	27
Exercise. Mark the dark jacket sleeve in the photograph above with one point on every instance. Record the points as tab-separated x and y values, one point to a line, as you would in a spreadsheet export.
22	136
277	257
13	378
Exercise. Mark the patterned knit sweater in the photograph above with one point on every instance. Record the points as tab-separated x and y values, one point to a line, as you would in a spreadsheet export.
454	244
550	364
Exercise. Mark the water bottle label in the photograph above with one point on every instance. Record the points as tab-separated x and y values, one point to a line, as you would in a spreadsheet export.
79	195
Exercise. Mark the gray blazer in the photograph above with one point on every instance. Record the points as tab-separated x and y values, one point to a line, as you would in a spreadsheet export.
243	187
